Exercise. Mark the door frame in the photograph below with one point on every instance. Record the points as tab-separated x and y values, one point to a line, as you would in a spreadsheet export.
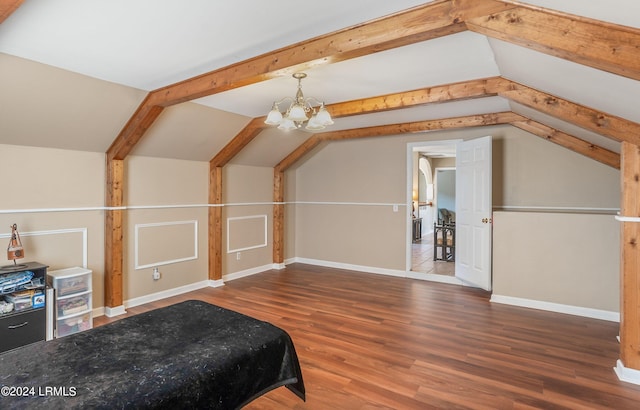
409	201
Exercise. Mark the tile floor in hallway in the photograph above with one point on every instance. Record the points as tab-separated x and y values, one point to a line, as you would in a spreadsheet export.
422	258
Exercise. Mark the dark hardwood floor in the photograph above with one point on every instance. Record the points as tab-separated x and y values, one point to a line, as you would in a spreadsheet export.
369	341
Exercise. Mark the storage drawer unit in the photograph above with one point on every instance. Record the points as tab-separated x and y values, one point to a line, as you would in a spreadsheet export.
73	324
22	295
73	304
22	329
73	295
71	281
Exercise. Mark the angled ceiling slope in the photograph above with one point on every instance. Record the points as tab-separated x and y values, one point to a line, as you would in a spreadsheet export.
507	17
521	43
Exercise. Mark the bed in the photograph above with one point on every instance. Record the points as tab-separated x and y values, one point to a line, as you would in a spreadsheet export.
188	355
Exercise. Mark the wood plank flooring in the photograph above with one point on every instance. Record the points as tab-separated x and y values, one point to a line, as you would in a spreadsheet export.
369	341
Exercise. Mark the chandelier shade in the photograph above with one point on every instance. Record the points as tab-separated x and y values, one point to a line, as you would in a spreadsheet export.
296	113
287	125
301	110
274	117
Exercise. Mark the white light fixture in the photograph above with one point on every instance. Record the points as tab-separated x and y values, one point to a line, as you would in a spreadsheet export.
300	111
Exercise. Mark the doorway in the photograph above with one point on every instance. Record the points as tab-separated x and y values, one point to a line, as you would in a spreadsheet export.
432	180
468	234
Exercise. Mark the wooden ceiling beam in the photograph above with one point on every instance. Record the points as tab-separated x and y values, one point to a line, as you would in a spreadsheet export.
396	129
585	117
244	137
606	46
7	7
417	24
463	10
465	90
575	144
411	26
525	25
599	122
422	126
136	127
295	155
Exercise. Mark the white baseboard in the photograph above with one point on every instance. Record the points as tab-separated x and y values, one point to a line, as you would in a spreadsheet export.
120	310
626	374
249	272
165	294
556	307
215	283
380	271
508	300
347	266
114	311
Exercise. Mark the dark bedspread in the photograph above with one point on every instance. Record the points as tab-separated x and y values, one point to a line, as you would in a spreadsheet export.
188	355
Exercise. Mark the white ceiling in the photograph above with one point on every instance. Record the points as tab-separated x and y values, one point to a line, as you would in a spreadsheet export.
147	44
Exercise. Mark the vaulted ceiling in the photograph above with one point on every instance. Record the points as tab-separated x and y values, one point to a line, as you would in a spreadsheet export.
101	74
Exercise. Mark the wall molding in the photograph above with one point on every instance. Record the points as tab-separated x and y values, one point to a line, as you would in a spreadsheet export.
239	218
134	207
248	272
152	297
348	266
556	209
504	208
137	228
179	206
627	218
41	210
557	307
83	231
345	203
627	374
114	311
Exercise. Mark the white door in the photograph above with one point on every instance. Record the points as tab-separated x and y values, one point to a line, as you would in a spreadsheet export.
473	212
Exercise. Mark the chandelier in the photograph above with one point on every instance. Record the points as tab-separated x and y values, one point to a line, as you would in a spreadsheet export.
300	111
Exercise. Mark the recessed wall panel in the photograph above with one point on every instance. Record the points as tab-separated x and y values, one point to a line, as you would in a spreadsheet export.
166	242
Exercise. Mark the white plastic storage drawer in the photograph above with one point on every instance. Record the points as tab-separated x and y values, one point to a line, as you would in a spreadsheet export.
71	280
73	324
73	304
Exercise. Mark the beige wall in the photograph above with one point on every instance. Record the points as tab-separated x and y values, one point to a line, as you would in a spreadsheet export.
46	106
183	186
339	208
56	198
165	193
247	192
360	229
528	172
35	178
565	258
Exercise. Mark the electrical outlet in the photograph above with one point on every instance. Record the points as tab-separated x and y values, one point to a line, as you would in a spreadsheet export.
395	208
156	274
237	256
